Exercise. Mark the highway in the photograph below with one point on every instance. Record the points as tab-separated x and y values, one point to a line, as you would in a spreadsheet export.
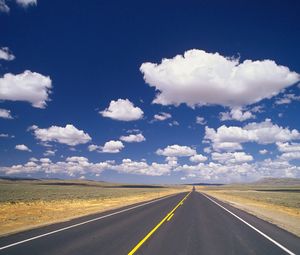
186	223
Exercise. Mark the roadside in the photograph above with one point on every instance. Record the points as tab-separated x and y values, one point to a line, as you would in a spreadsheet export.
281	208
46	205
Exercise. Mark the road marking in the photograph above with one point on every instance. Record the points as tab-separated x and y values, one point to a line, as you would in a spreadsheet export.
170	217
135	248
254	228
83	223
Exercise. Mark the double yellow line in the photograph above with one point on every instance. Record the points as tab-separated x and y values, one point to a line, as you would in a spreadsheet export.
167	218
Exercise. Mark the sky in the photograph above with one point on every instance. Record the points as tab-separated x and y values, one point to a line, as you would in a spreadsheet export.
150	92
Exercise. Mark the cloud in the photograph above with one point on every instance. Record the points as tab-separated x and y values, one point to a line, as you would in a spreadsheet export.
142	168
263	152
4	135
27	86
200	78
49	153
176	151
162	116
72	166
22	147
112	146
133	138
23	3
231	157
109	147
5	53
5	114
198	158
236	114
288	147
287	99
262	133
174	123
123	110
26	3
4	7
200	120
69	135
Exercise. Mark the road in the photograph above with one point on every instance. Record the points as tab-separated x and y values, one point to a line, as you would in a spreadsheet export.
186	223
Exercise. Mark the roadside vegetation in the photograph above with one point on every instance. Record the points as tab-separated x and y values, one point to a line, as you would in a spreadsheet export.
27	204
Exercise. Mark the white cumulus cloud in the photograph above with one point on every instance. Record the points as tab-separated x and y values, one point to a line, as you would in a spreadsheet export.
22	147
231	157
198	158
123	110
262	133
112	146
28	86
202	78
69	135
236	114
176	151
133	138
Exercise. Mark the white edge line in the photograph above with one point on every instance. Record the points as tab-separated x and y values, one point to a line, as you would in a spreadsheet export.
254	228
84	222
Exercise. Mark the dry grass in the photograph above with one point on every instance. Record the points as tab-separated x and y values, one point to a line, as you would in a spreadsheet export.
26	205
278	205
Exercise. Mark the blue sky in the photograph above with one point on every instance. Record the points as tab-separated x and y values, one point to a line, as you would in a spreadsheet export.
167	92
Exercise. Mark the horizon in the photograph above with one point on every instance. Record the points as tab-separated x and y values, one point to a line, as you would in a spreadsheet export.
163	93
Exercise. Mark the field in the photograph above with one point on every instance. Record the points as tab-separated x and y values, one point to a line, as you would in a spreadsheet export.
276	201
29	204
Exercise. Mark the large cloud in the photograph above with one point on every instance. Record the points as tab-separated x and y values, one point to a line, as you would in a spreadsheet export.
176	151
122	109
262	133
200	78
27	86
69	135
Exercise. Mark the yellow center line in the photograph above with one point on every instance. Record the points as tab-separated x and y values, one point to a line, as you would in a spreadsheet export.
169	215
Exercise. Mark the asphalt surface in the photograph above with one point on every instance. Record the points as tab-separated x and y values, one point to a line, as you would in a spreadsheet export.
198	226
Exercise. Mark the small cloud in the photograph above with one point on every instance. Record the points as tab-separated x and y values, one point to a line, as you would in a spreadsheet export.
133	138
109	147
5	53
200	120
22	147
5	114
263	152
123	110
162	116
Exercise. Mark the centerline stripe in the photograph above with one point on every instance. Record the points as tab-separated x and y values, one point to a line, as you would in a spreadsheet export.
254	228
168	216
84	222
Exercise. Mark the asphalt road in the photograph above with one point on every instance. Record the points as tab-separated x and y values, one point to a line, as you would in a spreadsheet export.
195	225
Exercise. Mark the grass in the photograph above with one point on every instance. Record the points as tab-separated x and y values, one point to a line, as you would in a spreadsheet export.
29	204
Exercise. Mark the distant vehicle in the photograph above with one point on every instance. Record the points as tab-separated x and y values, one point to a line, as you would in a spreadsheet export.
194	188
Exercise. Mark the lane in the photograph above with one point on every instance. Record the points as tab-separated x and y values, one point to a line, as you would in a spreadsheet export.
202	227
113	235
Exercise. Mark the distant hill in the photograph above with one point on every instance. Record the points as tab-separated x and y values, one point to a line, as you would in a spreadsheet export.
205	184
278	181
